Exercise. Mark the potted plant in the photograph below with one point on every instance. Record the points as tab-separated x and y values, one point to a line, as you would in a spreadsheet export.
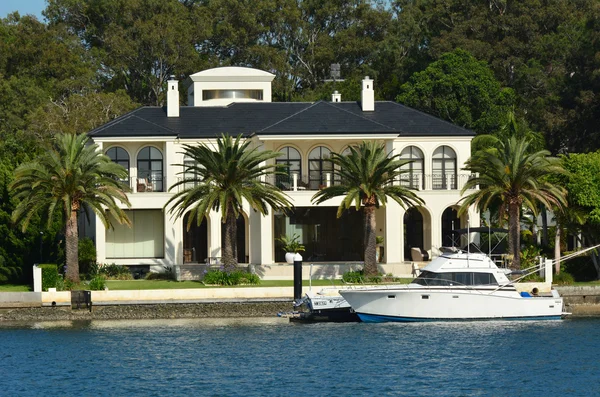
379	249
291	246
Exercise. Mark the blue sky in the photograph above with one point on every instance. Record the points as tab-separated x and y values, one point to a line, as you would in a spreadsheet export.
24	7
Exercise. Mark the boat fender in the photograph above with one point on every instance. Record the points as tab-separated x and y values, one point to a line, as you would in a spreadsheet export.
534	291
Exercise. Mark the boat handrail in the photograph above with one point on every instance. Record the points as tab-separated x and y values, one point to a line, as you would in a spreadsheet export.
539	266
454	284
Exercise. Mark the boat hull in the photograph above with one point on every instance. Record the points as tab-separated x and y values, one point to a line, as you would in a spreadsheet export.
454	304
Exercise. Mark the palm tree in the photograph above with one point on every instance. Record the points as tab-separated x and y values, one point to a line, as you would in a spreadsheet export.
222	179
71	176
368	176
513	177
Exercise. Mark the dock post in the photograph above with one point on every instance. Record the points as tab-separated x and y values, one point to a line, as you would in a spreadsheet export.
297	276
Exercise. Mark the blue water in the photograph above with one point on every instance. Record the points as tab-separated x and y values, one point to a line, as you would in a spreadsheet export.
257	357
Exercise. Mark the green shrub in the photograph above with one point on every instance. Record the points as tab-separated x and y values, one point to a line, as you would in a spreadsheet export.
115	272
50	276
354	277
87	257
234	277
581	268
9	274
563	278
97	283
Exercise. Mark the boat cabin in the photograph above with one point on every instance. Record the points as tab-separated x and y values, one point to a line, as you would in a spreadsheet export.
452	269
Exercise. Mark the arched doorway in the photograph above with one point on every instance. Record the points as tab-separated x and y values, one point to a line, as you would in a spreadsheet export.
450	222
195	241
413	231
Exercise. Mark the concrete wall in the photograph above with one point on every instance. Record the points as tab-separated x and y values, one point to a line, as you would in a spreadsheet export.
20	299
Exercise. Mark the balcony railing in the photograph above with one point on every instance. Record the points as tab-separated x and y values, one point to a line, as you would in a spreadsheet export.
148	182
447	181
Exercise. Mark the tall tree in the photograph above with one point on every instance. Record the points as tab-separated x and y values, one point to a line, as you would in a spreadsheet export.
221	178
460	89
138	43
368	177
583	184
70	177
543	50
513	177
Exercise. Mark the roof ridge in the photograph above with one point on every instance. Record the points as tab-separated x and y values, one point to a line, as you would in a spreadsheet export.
115	121
290	116
431	116
128	116
360	115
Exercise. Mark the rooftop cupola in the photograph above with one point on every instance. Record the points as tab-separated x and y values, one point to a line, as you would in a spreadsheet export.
172	97
367	96
336	97
225	85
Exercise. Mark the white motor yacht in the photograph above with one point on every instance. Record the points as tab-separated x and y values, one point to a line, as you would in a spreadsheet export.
454	286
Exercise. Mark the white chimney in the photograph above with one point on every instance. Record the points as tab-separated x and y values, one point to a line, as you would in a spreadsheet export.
172	97
336	97
367	96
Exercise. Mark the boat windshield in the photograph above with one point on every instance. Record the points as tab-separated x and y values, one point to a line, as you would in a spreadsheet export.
455	278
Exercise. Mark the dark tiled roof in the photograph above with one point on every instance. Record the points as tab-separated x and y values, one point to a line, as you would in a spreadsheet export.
279	118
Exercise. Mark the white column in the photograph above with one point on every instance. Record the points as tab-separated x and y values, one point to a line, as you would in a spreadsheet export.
394	233
100	242
261	230
169	171
295	181
214	235
327	179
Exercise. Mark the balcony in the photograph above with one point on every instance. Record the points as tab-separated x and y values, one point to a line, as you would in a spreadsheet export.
449	181
296	182
421	182
147	183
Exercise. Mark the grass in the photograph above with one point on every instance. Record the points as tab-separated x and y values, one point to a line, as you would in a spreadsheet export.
121	285
14	288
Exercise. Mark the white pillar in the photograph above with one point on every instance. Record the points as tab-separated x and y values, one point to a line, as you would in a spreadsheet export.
37	279
214	235
394	233
548	271
327	179
261	230
295	181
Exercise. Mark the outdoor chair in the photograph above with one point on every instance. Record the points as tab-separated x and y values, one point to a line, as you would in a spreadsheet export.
418	255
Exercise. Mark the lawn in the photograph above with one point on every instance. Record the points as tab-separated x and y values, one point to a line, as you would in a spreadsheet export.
14	288
117	285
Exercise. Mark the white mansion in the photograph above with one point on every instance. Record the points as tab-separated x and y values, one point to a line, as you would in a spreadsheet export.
235	100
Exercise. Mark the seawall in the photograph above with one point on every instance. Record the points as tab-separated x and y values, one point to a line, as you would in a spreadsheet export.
581	301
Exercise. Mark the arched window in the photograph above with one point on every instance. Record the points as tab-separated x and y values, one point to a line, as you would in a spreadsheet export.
319	165
120	156
444	168
414	176
290	157
150	169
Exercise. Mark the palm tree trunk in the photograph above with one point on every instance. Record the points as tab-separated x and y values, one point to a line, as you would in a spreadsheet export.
229	254
514	233
557	249
544	226
370	241
71	247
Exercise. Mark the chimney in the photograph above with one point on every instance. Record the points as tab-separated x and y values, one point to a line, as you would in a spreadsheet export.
336	97
172	97
367	96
